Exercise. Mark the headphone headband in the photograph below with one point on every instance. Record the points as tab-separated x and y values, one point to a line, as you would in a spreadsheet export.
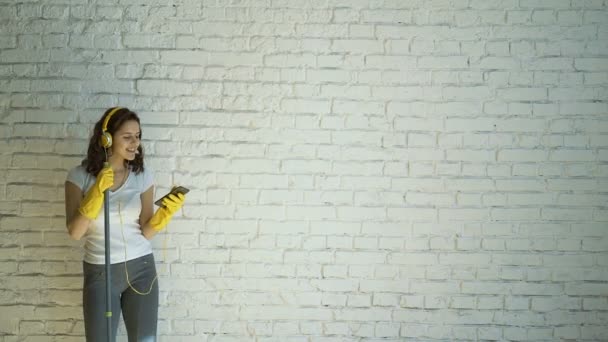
104	128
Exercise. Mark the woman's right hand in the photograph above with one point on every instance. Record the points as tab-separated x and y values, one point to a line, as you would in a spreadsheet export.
105	179
91	204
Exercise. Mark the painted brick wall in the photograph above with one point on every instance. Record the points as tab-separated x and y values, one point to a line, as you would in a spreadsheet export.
361	170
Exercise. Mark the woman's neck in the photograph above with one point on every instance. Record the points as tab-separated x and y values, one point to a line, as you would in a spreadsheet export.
118	165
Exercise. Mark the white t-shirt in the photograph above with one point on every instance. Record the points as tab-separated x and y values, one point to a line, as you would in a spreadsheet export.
125	207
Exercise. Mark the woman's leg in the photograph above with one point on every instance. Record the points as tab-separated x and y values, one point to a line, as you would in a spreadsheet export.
94	304
141	311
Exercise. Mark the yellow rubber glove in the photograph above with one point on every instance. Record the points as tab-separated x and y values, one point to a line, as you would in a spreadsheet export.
91	204
163	215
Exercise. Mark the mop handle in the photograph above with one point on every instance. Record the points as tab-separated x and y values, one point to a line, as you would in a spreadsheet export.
106	207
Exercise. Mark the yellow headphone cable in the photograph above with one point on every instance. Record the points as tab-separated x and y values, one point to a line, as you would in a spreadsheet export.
107	144
126	271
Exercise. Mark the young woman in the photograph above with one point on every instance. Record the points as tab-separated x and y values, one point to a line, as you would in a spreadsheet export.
115	161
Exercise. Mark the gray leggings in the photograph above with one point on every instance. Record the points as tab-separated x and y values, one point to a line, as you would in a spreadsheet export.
140	311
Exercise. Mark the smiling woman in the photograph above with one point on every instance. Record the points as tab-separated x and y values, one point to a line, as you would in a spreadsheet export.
115	163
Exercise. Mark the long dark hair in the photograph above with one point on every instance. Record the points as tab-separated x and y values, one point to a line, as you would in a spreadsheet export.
96	156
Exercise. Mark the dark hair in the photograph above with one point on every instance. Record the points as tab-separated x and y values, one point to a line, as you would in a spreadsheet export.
96	156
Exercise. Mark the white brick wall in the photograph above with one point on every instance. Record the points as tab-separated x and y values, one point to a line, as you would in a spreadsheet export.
360	170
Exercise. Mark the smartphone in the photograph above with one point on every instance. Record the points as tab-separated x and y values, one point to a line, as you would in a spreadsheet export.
176	190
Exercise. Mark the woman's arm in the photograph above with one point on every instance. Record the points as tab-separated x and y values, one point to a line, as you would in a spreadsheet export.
76	223
147	210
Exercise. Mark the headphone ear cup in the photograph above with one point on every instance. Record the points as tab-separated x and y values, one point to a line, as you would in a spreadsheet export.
106	140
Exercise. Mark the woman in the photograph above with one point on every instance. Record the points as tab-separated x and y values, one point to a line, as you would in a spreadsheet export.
115	162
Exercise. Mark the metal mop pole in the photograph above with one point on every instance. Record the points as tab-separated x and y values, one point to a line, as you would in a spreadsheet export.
106	207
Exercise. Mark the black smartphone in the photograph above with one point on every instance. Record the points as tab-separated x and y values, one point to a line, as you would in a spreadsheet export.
176	190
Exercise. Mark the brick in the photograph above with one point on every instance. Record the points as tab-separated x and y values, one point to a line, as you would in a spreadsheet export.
523	94
319	107
452	62
466	93
593	64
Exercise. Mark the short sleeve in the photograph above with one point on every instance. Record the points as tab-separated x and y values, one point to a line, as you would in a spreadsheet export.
77	176
148	180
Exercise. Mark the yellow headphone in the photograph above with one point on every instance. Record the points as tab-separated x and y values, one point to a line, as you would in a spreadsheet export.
106	138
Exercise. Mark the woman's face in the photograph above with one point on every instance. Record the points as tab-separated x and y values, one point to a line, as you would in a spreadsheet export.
125	140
